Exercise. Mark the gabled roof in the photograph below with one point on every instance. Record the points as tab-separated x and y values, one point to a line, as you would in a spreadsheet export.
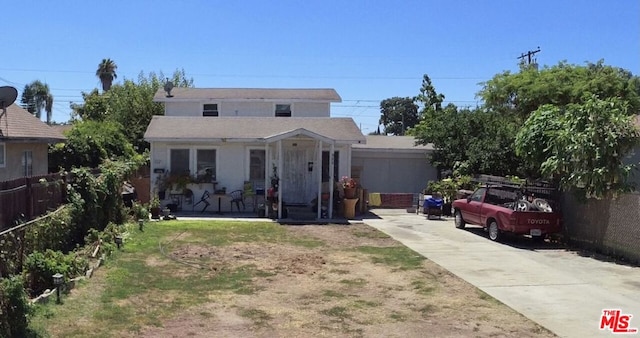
396	143
18	124
251	94
250	129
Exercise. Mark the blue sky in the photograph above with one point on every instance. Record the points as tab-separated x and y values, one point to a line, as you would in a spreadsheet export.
367	50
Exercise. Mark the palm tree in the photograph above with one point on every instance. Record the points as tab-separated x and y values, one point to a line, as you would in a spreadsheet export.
106	73
35	97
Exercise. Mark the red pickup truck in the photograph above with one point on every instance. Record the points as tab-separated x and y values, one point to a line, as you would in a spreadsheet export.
500	211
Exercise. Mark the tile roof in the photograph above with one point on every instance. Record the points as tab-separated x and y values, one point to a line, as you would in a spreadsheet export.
262	94
18	124
168	128
384	142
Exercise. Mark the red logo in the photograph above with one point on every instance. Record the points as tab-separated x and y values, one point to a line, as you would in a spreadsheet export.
616	321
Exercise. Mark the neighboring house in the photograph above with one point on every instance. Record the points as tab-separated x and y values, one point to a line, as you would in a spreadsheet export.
392	164
24	143
241	135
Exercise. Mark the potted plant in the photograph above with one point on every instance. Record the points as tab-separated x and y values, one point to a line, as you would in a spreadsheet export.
349	187
154	207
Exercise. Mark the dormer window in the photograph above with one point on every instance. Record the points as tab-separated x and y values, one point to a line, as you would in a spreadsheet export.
210	109
283	110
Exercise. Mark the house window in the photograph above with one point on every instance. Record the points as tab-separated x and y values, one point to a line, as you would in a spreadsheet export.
27	163
206	164
256	165
210	109
179	162
283	110
2	155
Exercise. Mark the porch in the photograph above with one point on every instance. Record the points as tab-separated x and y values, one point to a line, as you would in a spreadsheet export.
294	215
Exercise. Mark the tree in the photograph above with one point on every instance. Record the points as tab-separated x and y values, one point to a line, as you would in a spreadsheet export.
582	145
106	72
89	143
130	104
467	141
36	97
398	114
446	130
522	93
95	107
431	100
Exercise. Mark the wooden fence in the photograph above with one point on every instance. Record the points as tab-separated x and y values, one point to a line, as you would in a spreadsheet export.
26	198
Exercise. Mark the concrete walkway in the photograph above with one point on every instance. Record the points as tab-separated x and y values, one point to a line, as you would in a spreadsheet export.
555	287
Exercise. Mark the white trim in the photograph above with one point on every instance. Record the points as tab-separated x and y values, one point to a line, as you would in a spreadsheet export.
3	155
296	132
247	158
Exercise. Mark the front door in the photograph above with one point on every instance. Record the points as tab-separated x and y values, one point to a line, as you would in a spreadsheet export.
295	178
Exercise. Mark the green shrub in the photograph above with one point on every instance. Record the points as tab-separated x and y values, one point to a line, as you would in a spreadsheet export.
14	308
139	211
40	266
449	187
53	232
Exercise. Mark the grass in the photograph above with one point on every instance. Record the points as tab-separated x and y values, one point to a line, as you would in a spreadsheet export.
174	270
259	317
399	257
136	294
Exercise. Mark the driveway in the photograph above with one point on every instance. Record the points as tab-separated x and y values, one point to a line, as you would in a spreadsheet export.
563	290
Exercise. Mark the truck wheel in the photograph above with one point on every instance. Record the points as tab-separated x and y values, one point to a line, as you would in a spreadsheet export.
459	220
542	205
522	205
494	231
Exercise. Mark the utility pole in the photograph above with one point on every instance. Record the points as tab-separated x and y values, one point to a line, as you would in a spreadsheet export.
528	55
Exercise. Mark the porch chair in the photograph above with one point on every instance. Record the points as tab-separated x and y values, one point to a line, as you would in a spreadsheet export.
237	199
204	200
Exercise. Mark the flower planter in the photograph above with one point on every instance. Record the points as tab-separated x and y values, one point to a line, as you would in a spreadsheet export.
349	193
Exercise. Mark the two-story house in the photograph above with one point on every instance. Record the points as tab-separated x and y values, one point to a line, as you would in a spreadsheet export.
253	135
239	135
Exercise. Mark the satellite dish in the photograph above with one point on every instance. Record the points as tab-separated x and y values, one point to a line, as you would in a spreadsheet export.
167	87
8	96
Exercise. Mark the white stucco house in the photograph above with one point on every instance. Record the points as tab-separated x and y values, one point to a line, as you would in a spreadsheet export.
244	135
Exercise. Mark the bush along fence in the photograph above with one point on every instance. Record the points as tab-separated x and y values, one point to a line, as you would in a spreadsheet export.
29	197
64	241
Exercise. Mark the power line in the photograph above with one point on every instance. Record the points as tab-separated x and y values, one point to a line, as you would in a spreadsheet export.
347	77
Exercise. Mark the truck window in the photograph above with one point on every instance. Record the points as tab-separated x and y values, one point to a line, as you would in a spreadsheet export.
477	195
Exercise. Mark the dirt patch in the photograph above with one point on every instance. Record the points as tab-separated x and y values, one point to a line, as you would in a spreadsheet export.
334	289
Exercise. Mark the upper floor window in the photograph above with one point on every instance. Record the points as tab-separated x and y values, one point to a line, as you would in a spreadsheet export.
283	110
210	109
2	156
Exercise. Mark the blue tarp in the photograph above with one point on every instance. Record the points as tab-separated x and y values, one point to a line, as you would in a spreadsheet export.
431	202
